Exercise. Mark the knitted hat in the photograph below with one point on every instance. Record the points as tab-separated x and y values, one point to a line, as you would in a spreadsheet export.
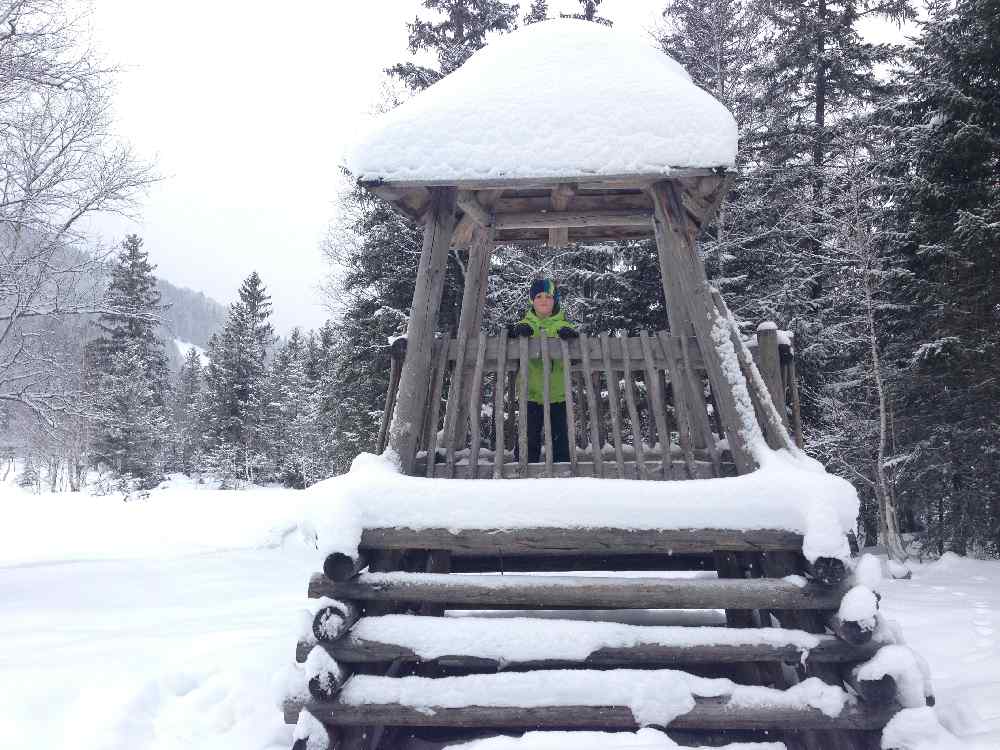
549	287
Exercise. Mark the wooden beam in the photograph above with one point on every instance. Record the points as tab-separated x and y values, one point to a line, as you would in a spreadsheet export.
700	470
553	219
500	563
464	591
409	413
679	259
561	195
708	713
620	180
475	210
577	541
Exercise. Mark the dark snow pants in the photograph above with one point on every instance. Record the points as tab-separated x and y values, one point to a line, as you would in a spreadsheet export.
536	436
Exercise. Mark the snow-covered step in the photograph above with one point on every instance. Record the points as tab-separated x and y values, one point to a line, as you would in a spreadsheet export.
524	642
611	699
581	540
519	591
643	739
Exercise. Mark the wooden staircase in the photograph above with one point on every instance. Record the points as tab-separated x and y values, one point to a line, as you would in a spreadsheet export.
388	670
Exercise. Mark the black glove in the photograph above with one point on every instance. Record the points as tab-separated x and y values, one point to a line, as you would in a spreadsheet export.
514	330
566	334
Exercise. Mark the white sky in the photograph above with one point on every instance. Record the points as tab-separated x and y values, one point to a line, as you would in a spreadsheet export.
247	108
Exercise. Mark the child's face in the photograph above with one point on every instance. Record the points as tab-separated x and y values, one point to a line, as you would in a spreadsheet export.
543	304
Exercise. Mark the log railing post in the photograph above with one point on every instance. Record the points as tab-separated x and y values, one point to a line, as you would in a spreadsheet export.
409	413
397	353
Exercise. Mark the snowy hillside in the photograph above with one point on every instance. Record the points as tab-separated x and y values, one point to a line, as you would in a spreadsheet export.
166	624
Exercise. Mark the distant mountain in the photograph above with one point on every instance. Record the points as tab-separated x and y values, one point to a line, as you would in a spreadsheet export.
190	316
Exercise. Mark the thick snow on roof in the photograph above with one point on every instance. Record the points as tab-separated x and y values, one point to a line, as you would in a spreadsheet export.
559	98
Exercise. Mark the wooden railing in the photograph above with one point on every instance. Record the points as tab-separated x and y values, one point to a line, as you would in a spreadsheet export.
637	407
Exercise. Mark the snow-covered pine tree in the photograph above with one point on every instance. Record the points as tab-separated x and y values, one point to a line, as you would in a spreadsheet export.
945	132
186	418
235	429
538	11
588	12
128	376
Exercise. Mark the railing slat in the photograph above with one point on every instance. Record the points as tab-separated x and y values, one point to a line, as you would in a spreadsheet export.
522	412
498	419
453	407
671	351
476	401
435	405
592	408
614	404
698	402
543	340
656	405
633	411
570	412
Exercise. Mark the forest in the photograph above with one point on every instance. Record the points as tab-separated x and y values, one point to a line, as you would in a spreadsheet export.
865	221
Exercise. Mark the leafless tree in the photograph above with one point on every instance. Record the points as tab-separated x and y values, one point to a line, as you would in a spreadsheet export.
59	163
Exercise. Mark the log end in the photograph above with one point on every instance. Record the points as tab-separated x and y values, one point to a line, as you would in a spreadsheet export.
339	567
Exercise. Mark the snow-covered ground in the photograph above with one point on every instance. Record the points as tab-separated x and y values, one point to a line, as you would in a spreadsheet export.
162	624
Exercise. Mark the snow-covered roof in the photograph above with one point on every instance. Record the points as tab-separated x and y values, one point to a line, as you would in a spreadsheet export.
555	99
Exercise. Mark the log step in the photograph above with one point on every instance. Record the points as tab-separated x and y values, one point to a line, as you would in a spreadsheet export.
580	541
619	699
458	591
529	643
596	740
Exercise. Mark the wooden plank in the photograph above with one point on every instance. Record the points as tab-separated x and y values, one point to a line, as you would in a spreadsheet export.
708	713
592	408
679	259
647	653
475	402
546	399
613	405
577	541
409	413
656	405
560	198
793	382
633	410
697	402
671	351
459	590
438	561
498	416
559	219
570	410
435	406
576	234
395	367
700	470
452	408
522	412
634	180
511	202
769	365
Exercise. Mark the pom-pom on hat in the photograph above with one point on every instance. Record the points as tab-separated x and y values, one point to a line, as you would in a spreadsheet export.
549	287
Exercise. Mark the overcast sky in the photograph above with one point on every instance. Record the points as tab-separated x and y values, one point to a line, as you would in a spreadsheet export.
247	108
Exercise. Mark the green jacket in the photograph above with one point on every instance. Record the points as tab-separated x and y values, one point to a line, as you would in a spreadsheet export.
557	383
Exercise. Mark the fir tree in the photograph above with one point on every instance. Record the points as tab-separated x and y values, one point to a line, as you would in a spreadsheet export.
128	370
538	11
589	12
236	430
186	418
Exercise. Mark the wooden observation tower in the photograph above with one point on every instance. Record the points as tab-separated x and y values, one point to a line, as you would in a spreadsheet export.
470	160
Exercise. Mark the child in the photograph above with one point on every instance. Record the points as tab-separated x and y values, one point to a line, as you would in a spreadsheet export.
545	313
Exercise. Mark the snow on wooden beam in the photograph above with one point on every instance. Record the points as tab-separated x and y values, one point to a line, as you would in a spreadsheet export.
632	180
580	541
463	591
708	713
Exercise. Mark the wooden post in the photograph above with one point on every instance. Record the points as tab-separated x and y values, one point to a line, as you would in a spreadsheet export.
613	404
475	405
543	342
769	364
434	408
522	411
592	411
682	414
679	260
657	406
395	366
498	420
409	414
570	411
633	410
